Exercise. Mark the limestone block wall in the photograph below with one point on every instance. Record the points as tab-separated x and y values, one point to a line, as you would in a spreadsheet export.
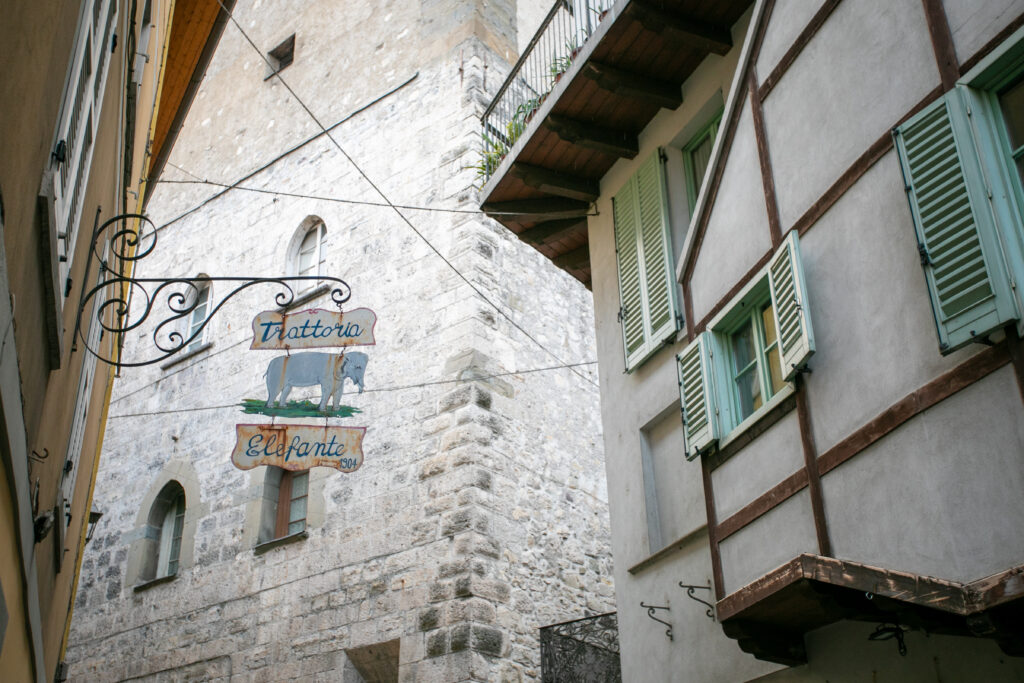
480	511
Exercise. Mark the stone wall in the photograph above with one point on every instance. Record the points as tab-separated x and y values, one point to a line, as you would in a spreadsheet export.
480	511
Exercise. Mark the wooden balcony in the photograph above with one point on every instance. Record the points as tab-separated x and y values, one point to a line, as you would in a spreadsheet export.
583	90
770	616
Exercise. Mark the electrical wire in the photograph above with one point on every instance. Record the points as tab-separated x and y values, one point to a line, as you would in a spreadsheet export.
405	387
339	200
313	117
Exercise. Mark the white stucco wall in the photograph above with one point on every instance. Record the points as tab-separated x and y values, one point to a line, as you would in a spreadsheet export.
863	70
974	24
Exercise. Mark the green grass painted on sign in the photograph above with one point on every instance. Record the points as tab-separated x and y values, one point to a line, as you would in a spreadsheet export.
253	406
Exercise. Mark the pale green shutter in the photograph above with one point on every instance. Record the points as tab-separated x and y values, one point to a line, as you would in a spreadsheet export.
789	300
644	252
697	396
657	250
631	313
956	233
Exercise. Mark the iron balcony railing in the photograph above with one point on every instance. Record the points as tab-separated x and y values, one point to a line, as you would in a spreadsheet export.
549	54
581	651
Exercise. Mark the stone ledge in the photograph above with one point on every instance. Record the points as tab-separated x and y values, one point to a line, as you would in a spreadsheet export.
261	548
185	356
146	585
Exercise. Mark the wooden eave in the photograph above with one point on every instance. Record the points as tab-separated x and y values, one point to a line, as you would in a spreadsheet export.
634	63
196	27
770	616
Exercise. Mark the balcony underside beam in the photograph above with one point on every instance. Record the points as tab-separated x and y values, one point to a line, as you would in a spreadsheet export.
627	84
574	259
555	182
606	140
695	34
542	209
552	231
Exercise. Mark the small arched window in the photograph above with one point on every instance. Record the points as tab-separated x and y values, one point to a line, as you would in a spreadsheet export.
170	537
199	302
164	528
310	252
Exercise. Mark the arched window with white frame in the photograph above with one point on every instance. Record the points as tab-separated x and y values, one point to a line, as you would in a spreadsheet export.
199	300
164	529
309	252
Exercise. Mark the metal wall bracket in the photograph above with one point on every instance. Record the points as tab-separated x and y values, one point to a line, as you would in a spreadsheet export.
132	237
691	589
650	612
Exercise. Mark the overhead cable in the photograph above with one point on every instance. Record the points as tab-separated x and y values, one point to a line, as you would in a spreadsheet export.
380	192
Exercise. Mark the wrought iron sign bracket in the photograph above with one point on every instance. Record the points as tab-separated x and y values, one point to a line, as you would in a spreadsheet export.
132	237
691	589
651	611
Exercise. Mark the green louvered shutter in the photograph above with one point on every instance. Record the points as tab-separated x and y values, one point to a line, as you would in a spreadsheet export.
697	396
644	252
953	219
789	300
630	294
657	250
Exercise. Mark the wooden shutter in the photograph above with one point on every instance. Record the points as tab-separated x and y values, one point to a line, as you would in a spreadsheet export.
697	396
644	253
789	301
657	250
953	218
79	123
630	292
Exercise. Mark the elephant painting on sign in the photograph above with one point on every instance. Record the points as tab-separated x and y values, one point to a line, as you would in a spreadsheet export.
329	370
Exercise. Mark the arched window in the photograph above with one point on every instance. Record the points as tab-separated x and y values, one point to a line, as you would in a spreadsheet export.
309	252
284	507
199	302
164	528
170	537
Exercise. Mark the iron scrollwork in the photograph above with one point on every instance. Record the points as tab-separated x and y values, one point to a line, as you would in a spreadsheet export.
112	299
690	593
584	651
651	611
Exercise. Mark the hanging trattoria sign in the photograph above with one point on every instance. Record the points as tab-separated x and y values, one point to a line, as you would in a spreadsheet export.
303	446
313	329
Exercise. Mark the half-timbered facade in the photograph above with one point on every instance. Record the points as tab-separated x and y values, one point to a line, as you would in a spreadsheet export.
801	222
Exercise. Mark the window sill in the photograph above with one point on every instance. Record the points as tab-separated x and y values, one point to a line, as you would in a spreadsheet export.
146	585
266	546
670	549
305	297
754	426
185	356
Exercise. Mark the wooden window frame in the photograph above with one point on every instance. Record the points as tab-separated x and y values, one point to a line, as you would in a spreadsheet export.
284	503
753	317
693	183
706	366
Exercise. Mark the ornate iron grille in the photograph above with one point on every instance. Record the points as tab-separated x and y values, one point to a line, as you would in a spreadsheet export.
581	651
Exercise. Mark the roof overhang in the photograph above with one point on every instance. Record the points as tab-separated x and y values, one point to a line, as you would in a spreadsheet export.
632	65
196	27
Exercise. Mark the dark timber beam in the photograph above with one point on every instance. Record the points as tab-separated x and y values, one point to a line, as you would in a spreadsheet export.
543	209
694	34
606	140
552	231
626	84
556	183
573	259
